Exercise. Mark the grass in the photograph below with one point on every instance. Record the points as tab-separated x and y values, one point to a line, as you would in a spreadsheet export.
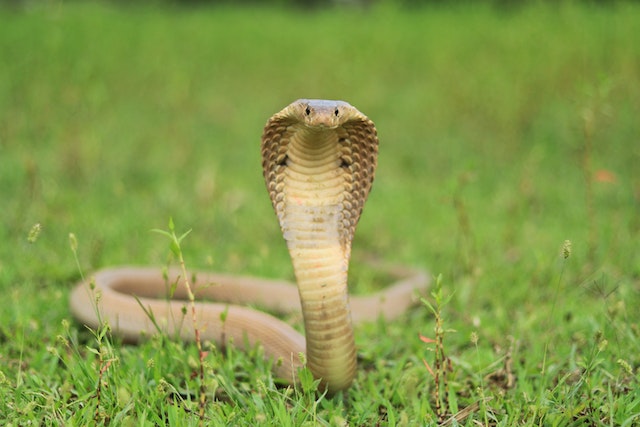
503	134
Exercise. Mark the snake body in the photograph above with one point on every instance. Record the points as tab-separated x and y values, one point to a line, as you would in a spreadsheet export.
319	159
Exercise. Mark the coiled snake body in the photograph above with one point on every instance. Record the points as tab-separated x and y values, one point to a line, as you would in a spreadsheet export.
318	159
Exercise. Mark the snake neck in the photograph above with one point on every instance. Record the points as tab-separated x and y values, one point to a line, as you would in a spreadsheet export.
311	217
321	274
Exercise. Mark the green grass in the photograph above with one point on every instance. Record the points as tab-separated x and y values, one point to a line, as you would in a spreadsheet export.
498	133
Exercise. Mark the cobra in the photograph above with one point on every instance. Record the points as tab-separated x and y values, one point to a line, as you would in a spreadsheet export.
319	159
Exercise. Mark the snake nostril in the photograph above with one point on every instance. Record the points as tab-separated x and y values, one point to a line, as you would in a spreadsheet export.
307	111
336	112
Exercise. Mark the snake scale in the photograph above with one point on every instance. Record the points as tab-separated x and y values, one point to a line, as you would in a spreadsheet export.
319	159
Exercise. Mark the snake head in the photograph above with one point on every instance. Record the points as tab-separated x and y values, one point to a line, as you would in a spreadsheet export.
323	114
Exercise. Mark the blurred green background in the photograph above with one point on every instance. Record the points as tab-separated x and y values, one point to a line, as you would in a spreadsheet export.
115	118
505	129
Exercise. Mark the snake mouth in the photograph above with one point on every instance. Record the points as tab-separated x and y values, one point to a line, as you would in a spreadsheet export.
317	126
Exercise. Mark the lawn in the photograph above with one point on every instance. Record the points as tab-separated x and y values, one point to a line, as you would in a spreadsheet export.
509	166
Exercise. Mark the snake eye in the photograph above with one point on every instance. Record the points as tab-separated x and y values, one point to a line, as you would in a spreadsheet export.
307	111
336	112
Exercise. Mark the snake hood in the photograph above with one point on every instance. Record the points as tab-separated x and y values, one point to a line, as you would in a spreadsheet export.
328	145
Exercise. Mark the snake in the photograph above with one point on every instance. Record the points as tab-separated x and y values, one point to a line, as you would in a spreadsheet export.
319	159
